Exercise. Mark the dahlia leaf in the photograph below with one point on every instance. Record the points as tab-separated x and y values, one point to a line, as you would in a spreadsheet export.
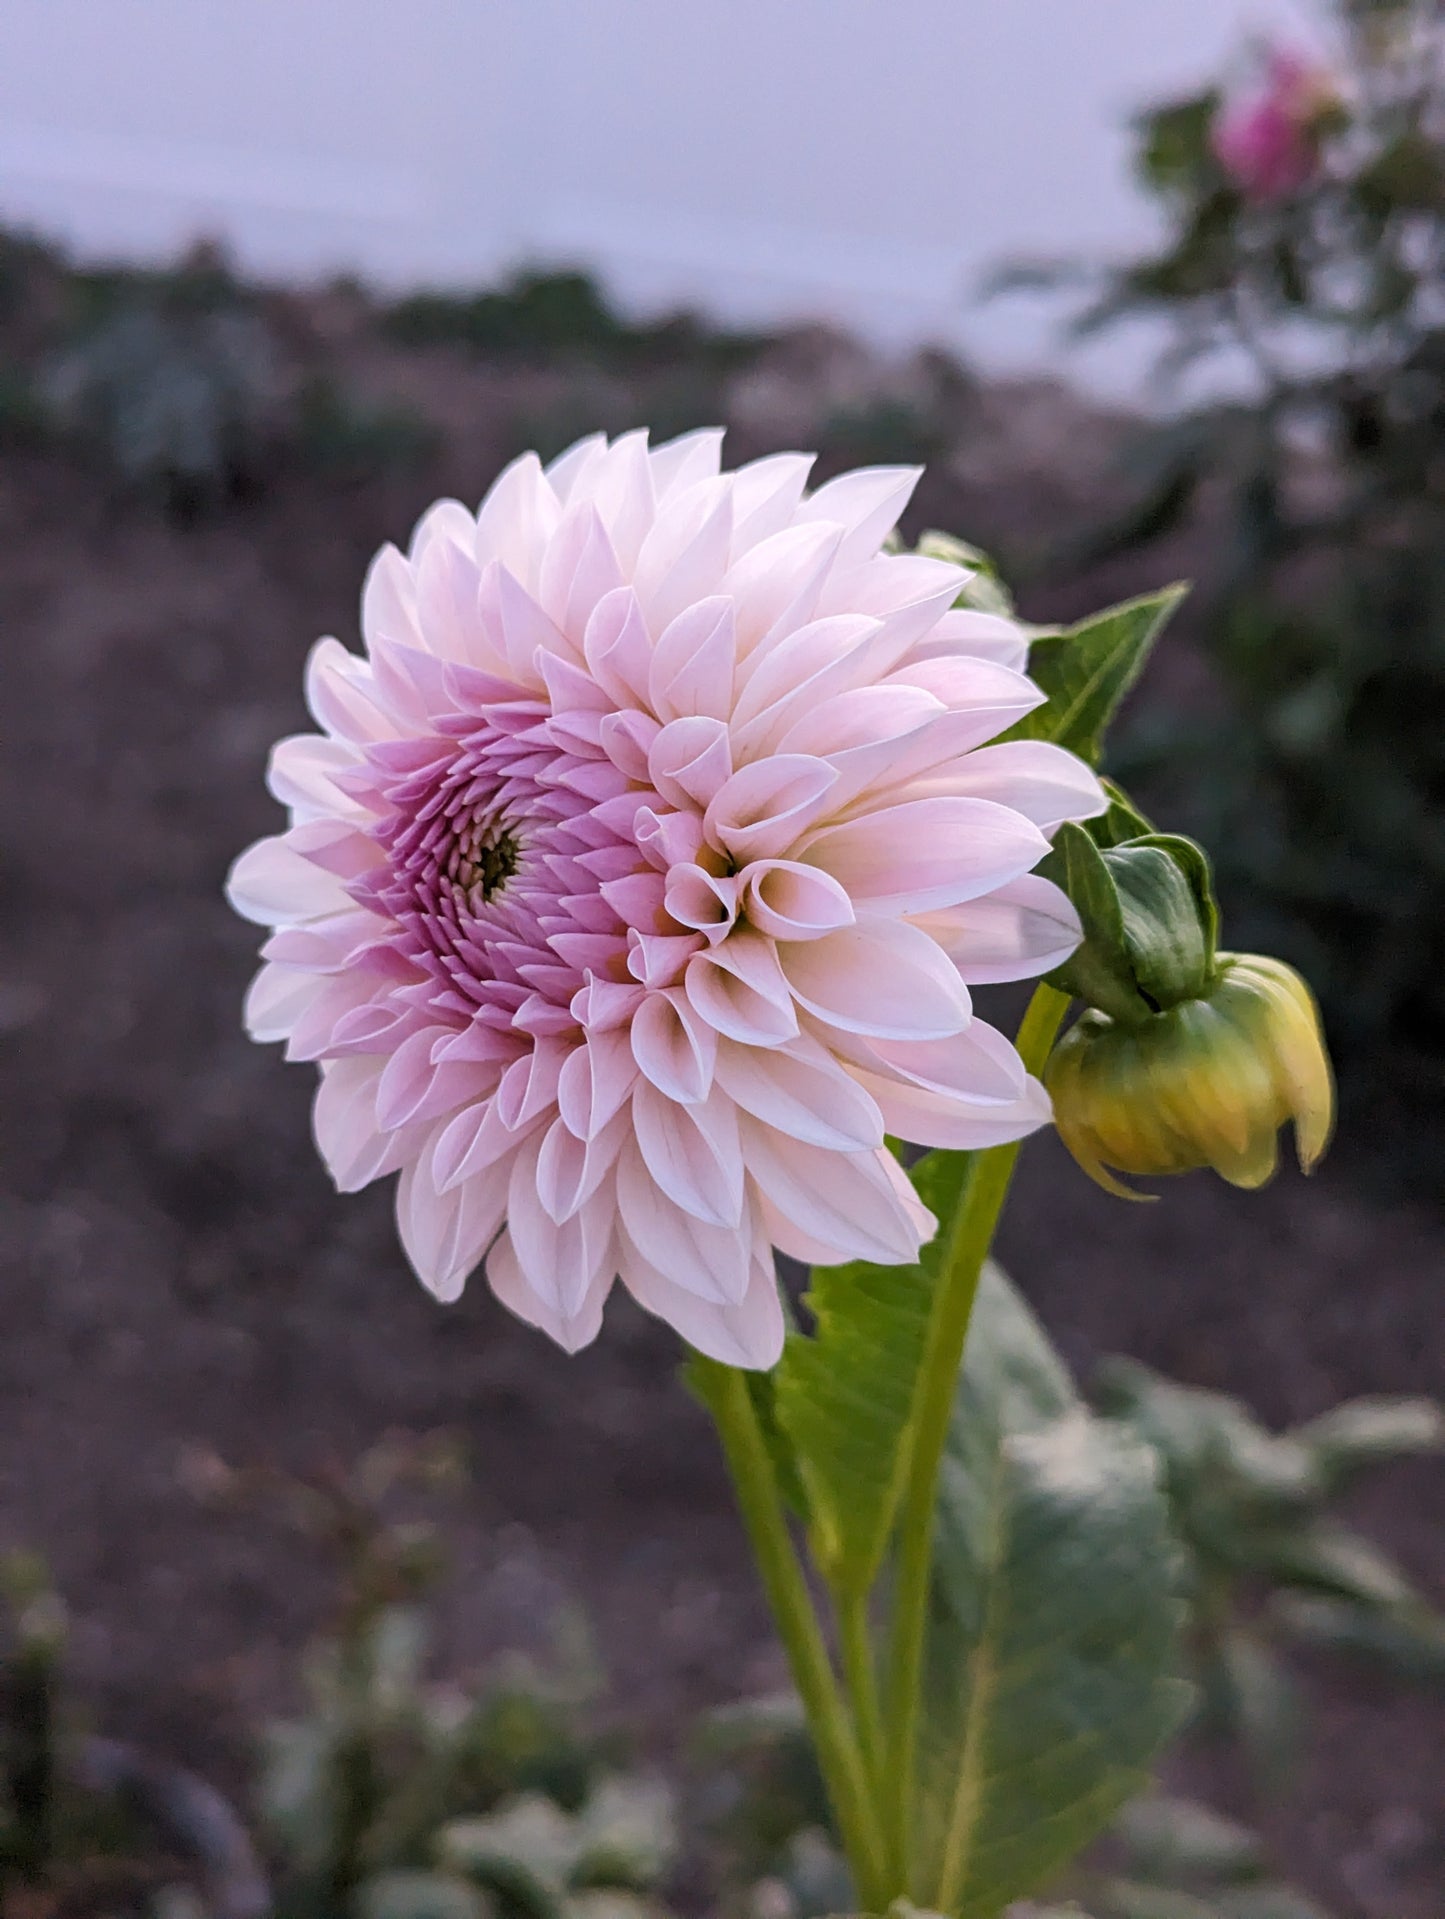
844	1395
1368	1432
1087	669
1052	1640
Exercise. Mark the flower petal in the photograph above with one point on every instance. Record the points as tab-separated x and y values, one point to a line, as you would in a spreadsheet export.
801	1090
692	1152
924	854
846	1201
761	811
1043	782
571	1330
692	664
791	901
748	1333
1020	930
881	977
709	1261
561	1262
866	503
739	989
445	1235
274	885
674	1047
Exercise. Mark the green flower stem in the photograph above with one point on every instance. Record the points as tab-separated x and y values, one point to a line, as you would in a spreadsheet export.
970	1235
725	1390
860	1673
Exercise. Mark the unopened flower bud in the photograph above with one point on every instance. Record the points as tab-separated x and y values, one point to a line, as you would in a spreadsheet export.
1207	1082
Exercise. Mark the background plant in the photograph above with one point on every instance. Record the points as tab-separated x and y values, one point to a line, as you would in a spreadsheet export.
90	1824
1268	1561
1312	290
393	1797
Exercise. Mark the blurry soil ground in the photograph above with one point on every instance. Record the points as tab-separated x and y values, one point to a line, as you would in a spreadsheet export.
177	1272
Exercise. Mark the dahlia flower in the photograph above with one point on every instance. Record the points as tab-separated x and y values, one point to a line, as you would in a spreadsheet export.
637	877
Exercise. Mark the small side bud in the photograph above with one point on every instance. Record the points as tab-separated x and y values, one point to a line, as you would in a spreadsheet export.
1147	908
1209	1081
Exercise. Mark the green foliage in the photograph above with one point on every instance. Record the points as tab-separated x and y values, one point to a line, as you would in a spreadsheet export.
1361	1433
1168	1840
809	1881
333	432
1267	1560
539	1861
886	430
355	1793
96	1822
986	591
1058	1581
180	401
403	1894
763	1785
24	419
1176	1859
1319	779
1173	155
1051	1651
843	1396
1411	1644
181	383
1087	670
537	313
30	1729
551	314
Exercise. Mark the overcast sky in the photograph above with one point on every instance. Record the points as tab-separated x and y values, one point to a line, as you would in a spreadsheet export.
864	159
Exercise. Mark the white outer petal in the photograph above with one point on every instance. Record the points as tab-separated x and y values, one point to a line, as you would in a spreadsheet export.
273	885
847	1201
748	1333
572	1331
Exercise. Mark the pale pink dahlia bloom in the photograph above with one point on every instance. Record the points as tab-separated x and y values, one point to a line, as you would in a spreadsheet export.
636	880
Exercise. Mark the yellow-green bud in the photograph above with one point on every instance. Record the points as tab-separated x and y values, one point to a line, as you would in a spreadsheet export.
1209	1082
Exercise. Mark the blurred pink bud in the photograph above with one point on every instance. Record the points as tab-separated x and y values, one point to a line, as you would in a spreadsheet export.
1269	145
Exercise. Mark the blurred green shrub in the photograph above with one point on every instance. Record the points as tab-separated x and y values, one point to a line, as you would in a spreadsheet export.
91	1825
393	1798
173	378
333	432
182	383
1176	1859
1267	1561
535	313
882	431
30	1722
182	405
1304	255
544	315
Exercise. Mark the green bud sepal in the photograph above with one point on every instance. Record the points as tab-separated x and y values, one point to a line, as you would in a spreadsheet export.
1149	918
